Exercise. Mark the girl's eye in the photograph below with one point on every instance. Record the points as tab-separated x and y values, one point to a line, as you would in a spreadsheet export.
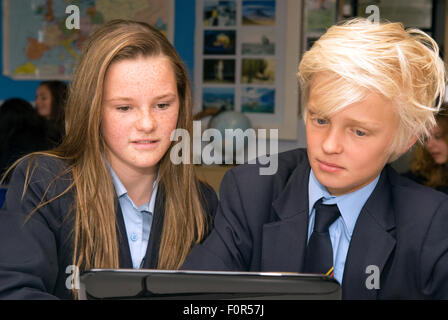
123	108
360	133
163	105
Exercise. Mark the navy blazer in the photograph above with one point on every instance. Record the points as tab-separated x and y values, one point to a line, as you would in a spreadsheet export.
34	256
262	223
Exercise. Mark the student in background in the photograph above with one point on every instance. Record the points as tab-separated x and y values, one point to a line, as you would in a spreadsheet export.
51	97
22	131
109	195
369	90
430	164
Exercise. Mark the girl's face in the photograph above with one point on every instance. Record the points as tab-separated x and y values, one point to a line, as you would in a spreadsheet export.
140	110
43	101
437	147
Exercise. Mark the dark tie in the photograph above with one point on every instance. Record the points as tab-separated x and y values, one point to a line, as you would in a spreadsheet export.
319	253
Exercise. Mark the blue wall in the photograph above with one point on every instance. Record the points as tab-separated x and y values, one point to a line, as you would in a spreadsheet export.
183	34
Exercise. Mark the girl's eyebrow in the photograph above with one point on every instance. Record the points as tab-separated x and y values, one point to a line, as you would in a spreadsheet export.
127	99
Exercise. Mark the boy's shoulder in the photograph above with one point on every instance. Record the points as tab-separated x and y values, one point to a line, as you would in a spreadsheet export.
414	196
287	162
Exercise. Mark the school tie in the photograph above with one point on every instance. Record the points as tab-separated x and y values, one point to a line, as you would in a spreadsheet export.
319	252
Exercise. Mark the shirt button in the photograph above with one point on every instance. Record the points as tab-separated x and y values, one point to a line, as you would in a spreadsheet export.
134	237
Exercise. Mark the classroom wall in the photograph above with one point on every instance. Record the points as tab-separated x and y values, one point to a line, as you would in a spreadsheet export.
184	28
183	33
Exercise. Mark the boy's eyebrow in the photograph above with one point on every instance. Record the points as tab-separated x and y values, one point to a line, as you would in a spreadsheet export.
312	110
367	124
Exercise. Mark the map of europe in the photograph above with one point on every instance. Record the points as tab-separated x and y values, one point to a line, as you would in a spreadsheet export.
38	45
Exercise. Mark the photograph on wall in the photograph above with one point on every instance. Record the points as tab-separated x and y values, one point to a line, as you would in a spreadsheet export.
243	66
219	71
258	71
320	15
258	100
219	42
218	13
258	42
259	13
218	98
38	45
415	13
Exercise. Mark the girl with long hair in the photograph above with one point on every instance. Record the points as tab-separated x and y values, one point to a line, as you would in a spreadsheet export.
108	196
430	164
51	98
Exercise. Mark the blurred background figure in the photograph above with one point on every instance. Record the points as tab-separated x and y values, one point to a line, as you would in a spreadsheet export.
22	130
430	164
51	97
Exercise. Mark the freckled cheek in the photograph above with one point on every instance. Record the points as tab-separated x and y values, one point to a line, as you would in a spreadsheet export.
115	133
168	123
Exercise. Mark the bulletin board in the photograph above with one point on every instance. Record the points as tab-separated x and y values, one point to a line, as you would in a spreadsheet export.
246	59
37	44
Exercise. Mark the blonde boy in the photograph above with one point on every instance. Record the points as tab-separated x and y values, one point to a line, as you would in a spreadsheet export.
369	92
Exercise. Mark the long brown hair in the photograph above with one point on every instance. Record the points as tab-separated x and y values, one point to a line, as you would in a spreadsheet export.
95	235
435	175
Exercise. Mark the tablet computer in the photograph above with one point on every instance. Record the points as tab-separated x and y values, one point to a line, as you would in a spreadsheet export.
204	285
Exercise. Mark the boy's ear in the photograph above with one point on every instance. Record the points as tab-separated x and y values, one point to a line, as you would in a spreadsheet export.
412	141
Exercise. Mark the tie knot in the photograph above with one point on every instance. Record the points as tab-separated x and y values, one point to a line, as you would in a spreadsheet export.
325	215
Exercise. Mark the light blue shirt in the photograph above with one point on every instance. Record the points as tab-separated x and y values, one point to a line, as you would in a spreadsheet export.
341	230
137	220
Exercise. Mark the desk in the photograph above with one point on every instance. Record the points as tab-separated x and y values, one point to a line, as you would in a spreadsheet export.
212	174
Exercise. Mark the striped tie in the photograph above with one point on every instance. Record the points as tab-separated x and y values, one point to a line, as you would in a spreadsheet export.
319	252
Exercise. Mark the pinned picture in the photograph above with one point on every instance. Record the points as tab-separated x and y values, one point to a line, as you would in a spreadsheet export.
258	13
218	98
258	100
219	13
256	42
219	42
219	71
258	71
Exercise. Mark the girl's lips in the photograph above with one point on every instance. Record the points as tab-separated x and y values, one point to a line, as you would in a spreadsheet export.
145	144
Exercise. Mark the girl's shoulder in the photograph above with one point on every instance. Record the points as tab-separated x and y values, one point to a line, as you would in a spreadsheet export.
208	197
42	169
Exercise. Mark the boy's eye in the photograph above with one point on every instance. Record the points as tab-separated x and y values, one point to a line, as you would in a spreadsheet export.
360	133
321	121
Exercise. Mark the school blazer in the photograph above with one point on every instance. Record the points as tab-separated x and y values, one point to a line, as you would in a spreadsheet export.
35	256
262	223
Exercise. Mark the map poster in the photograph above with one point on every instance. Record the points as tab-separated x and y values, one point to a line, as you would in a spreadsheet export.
37	44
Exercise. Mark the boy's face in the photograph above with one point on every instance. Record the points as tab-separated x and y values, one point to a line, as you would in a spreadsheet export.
350	148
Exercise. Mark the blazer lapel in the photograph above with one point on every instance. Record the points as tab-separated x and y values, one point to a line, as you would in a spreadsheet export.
124	253
284	241
371	243
152	250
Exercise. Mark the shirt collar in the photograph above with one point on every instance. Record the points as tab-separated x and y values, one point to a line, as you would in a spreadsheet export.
121	190
350	204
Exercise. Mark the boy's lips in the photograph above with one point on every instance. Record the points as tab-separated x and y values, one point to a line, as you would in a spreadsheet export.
328	166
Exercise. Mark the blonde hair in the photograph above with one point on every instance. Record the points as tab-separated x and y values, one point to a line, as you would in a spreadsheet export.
360	57
95	229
